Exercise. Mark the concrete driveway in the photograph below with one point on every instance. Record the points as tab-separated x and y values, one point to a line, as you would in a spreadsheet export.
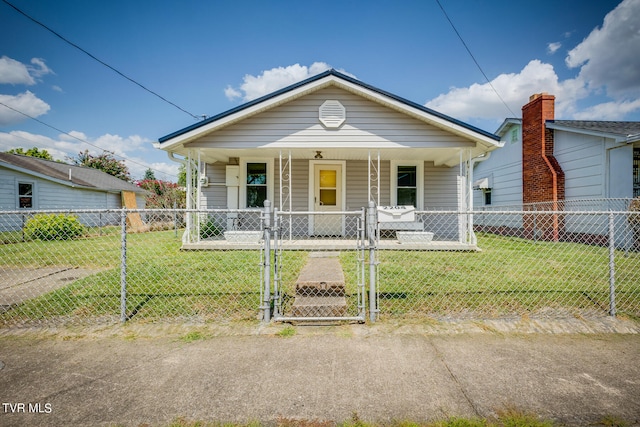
150	375
20	284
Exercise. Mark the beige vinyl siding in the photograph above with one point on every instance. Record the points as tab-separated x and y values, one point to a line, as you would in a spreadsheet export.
214	196
367	124
440	187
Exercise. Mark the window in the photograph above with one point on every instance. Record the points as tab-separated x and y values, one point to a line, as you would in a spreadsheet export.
25	195
256	185
407	183
407	190
487	196
514	134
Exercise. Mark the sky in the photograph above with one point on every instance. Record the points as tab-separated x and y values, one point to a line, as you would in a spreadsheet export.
117	75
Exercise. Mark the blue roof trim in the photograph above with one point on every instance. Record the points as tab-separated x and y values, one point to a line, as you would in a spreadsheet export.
320	76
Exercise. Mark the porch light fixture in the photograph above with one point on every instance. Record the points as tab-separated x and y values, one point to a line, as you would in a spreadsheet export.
318	155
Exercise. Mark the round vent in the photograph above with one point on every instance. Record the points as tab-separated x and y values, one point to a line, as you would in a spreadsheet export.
332	113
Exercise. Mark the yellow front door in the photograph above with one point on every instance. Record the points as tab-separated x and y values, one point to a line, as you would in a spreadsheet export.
327	197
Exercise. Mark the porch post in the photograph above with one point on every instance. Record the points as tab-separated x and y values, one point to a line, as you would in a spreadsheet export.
370	175
266	302
372	227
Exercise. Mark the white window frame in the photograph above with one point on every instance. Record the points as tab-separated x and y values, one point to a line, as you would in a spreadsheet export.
243	179
419	164
34	200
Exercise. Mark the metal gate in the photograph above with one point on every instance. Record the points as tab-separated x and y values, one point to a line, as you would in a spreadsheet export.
318	264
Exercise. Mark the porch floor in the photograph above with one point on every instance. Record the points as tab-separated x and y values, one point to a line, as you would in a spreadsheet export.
330	245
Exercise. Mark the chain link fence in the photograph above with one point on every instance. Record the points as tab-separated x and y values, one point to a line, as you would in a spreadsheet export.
110	266
541	263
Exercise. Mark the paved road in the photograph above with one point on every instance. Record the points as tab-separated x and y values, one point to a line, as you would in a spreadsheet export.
144	374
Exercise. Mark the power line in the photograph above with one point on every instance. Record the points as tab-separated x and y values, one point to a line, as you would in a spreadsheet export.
99	60
474	58
80	139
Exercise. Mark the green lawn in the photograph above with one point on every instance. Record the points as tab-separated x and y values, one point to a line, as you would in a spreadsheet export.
509	276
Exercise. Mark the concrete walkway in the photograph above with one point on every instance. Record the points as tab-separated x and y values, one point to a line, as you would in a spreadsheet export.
151	375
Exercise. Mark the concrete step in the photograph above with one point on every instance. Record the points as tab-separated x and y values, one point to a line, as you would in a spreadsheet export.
320	289
319	306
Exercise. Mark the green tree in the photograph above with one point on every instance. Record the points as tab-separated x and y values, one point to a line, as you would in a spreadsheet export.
105	162
149	175
33	152
164	194
182	176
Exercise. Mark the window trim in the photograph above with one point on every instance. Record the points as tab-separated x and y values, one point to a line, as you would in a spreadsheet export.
34	199
243	180
419	164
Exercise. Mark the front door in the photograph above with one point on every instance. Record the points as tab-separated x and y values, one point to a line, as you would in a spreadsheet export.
327	197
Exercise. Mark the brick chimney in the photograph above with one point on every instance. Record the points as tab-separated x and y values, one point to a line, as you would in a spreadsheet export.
542	176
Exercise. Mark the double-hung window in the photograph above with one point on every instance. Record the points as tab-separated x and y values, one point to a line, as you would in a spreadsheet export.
257	183
25	195
407	178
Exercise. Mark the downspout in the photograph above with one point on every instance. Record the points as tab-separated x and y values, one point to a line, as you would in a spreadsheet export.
554	193
186	237
472	164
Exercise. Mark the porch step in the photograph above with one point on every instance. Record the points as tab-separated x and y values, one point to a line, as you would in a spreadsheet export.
320	288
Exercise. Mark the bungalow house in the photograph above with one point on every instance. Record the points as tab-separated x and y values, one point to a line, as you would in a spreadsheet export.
549	164
330	143
29	183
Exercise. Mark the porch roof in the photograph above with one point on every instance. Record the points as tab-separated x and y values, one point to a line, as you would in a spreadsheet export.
478	140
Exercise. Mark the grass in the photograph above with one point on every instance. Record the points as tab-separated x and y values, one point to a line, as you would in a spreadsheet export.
505	418
509	276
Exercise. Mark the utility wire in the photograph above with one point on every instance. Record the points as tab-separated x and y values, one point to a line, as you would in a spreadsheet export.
80	139
99	60
472	57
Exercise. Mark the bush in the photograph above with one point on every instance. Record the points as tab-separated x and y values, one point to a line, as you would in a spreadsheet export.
210	228
53	227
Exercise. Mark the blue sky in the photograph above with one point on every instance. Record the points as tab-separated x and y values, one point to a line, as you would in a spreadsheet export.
209	56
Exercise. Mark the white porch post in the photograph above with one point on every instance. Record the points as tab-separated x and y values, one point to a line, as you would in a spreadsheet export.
471	235
191	216
374	189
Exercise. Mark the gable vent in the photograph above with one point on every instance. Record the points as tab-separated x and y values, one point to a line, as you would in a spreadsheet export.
332	113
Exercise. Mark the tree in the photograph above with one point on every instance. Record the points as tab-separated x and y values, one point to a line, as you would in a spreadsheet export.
149	175
164	194
182	176
105	162
33	152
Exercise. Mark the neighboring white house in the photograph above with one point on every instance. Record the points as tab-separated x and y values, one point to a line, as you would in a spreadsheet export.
559	165
30	183
329	143
597	159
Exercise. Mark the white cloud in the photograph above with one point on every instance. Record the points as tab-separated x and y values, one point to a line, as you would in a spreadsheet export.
25	102
479	101
553	47
65	146
232	93
271	80
40	68
608	110
14	72
608	57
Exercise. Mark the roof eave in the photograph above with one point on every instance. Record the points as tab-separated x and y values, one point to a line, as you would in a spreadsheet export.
617	137
313	84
